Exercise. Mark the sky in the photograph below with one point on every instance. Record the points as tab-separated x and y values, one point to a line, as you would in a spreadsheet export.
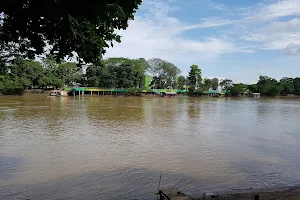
234	39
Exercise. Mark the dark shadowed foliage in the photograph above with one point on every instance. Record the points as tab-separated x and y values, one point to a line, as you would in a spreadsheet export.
34	27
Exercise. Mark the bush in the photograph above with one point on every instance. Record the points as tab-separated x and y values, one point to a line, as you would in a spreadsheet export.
13	85
237	89
273	91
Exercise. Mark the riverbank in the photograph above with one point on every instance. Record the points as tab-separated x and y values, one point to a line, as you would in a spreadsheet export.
35	92
287	193
115	92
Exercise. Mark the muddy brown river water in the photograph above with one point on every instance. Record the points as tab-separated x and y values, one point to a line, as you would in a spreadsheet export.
116	147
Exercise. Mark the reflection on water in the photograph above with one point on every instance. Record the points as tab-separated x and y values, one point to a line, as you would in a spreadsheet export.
116	147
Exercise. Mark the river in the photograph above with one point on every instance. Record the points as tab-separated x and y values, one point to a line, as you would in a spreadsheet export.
116	147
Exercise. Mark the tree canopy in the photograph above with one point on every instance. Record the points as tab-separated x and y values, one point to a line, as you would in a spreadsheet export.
23	74
215	83
195	78
238	89
117	73
268	86
164	73
226	84
287	85
182	82
207	84
60	27
132	74
296	83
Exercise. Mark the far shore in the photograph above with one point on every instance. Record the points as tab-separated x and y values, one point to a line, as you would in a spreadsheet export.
46	93
40	92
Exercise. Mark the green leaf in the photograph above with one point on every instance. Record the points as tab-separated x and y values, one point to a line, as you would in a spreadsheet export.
118	38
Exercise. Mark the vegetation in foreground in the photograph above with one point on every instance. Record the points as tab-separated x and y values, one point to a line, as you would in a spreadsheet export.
60	28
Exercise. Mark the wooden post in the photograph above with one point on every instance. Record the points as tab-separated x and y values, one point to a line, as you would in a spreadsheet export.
103	92
98	92
91	93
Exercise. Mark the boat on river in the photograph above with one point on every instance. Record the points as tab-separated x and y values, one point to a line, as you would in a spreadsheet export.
58	93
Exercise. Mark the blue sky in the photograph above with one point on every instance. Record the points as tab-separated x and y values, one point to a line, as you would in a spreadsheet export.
235	39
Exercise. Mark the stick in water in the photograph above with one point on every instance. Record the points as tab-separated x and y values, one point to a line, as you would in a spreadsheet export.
158	187
159	182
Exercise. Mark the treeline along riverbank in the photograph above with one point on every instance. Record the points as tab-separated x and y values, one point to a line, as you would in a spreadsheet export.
134	75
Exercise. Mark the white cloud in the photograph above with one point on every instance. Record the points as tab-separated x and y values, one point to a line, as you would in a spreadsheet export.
292	49
254	37
275	40
282	27
212	46
214	6
276	35
145	39
282	41
258	24
267	12
259	14
207	23
155	34
281	9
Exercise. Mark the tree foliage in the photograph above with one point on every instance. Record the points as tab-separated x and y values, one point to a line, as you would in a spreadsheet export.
164	73
296	83
19	74
195	78
158	82
139	66
24	74
215	83
117	73
238	89
268	86
253	88
287	85
62	27
182	82
226	84
207	84
28	69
